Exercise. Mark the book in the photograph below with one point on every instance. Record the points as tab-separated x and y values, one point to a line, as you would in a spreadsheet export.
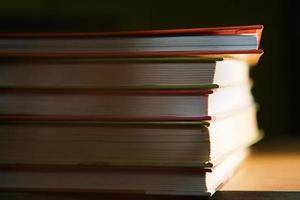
180	144
155	181
219	42
124	73
137	105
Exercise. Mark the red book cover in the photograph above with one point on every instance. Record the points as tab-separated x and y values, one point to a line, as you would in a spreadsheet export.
81	118
230	30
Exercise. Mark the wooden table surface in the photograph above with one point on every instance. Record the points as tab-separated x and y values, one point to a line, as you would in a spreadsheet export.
272	171
269	168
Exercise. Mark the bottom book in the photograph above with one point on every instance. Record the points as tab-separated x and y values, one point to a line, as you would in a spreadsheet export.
182	181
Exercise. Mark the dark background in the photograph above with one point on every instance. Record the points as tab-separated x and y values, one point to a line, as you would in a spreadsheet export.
275	77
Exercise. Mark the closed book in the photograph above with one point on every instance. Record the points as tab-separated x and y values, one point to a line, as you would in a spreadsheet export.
119	105
181	144
124	73
151	181
177	42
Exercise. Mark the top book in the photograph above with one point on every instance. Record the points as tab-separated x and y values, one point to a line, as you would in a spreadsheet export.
172	42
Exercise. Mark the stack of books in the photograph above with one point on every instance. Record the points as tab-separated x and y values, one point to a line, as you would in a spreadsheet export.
155	112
